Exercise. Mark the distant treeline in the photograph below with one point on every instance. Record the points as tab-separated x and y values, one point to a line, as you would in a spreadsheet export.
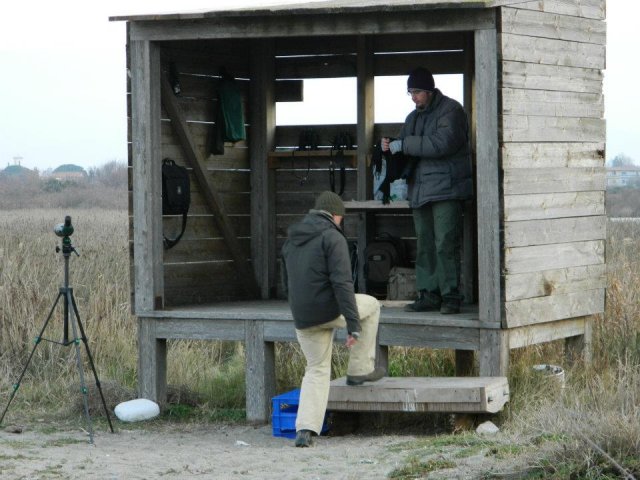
106	187
103	187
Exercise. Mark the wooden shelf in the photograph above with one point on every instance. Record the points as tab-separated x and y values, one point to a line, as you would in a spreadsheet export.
375	206
325	152
283	158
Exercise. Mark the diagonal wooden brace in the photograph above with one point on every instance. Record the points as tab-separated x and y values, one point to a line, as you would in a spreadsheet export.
211	195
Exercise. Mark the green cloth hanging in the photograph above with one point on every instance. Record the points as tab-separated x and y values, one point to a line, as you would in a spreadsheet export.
230	98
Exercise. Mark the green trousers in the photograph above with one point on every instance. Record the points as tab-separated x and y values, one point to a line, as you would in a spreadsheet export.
439	230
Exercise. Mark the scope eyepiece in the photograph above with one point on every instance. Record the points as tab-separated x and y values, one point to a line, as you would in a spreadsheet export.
64	229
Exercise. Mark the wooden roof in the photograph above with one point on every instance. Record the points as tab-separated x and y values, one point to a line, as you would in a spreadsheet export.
323	7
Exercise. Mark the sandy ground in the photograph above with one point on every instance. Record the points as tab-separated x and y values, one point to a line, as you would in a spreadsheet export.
191	451
219	451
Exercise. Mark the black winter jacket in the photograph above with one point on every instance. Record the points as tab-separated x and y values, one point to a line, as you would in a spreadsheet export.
438	137
317	273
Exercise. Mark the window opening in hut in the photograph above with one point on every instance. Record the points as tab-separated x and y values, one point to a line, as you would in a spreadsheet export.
326	101
333	101
392	105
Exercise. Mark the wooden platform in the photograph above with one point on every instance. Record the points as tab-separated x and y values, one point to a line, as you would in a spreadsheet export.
259	324
422	394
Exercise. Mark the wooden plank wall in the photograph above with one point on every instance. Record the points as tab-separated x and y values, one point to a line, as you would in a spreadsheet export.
200	267
552	54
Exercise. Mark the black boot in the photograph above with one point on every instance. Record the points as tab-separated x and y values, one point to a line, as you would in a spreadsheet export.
304	438
426	302
450	306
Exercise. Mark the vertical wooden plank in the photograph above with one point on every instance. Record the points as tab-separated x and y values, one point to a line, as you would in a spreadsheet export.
469	226
263	189
147	188
464	363
382	357
578	348
365	108
488	187
152	362
493	356
260	377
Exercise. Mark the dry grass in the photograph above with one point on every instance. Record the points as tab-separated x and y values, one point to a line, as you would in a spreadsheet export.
31	273
600	406
601	402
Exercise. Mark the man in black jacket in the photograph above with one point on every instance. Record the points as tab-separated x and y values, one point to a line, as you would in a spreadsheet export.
436	136
317	275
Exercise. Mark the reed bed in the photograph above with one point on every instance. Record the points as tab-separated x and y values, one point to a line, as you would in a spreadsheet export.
601	401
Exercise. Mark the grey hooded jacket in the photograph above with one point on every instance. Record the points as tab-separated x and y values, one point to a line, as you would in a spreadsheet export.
317	273
438	137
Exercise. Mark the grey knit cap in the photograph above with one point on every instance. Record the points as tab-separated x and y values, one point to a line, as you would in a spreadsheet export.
330	202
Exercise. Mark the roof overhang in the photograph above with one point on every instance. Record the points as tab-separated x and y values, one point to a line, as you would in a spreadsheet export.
322	7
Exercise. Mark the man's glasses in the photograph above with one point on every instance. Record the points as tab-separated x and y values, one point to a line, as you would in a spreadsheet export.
414	91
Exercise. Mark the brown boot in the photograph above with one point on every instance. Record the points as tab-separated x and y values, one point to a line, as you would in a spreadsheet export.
374	376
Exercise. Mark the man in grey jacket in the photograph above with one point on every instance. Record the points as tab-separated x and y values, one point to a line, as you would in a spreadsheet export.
436	138
317	276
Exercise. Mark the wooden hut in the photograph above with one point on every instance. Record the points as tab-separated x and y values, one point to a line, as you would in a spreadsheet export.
534	264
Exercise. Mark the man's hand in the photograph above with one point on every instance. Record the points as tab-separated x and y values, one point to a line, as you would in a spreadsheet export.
351	341
395	146
384	144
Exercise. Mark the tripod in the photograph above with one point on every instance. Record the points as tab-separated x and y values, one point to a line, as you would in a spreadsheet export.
71	317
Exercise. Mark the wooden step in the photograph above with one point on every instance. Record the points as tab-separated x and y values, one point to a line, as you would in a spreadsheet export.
421	394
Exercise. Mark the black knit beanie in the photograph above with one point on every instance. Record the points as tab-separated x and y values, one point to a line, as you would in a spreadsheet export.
422	79
330	202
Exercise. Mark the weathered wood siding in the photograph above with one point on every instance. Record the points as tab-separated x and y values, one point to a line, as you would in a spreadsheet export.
552	134
200	267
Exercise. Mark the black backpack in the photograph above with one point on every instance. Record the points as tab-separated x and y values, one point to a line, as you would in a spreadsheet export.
176	195
380	256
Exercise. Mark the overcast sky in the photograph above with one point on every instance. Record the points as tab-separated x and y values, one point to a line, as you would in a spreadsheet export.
62	80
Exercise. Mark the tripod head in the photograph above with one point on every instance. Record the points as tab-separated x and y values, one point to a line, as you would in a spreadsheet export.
65	230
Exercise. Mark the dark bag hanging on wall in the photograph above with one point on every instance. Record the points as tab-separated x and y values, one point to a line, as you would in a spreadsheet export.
176	195
380	256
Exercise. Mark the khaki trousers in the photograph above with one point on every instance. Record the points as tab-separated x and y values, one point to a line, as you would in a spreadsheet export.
316	344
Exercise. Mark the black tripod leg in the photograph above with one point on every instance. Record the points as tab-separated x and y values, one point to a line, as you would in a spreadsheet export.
36	343
93	367
83	387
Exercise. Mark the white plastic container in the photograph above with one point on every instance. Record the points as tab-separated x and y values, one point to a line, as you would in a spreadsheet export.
552	371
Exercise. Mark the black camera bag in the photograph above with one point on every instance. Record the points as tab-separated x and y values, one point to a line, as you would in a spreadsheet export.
176	195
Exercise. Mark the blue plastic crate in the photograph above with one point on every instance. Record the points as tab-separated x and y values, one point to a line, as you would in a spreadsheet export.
284	412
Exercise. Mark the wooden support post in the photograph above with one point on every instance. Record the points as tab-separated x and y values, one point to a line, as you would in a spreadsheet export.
464	363
469	228
152	362
210	194
578	348
260	378
488	181
147	182
365	102
263	125
382	357
493	357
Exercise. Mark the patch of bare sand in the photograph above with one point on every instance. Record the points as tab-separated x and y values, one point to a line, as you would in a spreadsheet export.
194	451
